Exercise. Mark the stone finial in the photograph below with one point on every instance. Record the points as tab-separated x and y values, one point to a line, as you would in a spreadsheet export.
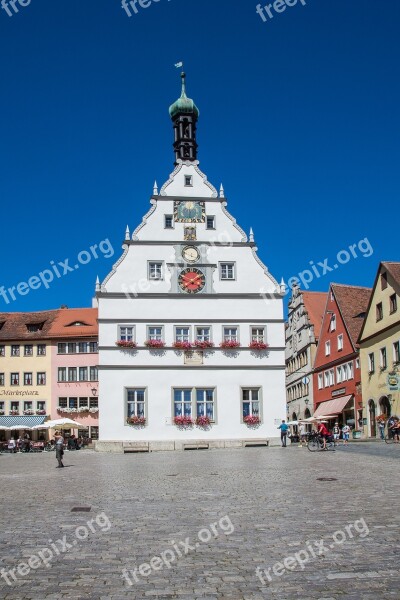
127	233
251	236
155	189
97	284
282	287
221	191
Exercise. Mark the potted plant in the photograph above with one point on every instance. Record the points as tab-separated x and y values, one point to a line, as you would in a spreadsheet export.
2	412
252	420
94	409
126	344
203	421
14	413
183	421
28	411
41	411
154	344
203	345
182	345
138	421
230	344
258	345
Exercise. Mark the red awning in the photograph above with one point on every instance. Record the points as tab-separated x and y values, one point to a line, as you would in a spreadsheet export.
332	407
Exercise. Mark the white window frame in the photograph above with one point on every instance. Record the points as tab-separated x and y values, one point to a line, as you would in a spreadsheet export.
339	374
205	402
41	378
320	381
182	336
135	402
124	335
326	379
63	372
227	265
229	337
155	263
258	337
190	178
340	342
332	325
157	336
172	221
383	358
396	351
213	222
182	402
252	412
371	362
327	348
201	338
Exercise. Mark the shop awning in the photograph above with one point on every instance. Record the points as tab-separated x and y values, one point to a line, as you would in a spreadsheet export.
333	407
22	422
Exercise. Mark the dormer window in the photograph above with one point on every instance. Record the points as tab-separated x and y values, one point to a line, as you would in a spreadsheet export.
1	324
32	327
77	324
188	181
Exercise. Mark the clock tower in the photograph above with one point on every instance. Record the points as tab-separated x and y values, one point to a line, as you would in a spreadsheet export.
191	329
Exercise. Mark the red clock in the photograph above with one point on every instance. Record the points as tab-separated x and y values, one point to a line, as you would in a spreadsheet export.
192	280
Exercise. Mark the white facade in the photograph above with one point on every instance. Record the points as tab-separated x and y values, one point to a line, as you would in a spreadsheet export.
130	302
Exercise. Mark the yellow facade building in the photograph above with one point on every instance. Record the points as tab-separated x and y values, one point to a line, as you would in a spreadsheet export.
25	369
380	350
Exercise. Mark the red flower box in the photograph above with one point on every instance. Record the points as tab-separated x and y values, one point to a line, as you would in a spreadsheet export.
231	345
203	421
183	421
126	344
154	344
203	345
250	420
182	345
136	420
258	346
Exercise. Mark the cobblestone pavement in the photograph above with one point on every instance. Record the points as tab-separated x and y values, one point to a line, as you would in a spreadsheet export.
274	507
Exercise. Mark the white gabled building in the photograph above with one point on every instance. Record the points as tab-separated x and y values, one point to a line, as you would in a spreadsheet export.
189	275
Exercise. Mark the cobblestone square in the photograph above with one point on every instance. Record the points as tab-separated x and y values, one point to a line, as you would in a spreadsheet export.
197	524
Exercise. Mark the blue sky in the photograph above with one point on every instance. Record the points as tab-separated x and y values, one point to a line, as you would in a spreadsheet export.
299	120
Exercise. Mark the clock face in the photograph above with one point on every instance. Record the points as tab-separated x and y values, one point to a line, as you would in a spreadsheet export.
189	211
191	254
192	280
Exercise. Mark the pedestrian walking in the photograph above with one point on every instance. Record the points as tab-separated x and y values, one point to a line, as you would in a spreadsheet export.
12	447
59	449
346	434
302	434
381	425
336	434
284	431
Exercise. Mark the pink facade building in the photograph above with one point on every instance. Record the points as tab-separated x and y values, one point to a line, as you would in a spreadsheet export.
74	339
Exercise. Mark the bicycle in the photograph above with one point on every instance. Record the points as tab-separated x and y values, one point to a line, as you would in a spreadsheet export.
316	443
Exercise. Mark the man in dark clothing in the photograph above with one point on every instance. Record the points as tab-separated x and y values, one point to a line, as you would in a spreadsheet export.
59	448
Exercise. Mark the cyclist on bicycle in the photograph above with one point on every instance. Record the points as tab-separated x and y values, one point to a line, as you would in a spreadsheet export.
323	433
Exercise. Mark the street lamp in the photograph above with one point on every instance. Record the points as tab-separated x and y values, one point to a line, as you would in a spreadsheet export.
94	391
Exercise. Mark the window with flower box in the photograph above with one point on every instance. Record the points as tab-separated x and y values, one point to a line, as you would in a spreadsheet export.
203	334
155	333
230	334
136	402
1	406
14	378
258	334
84	403
182	334
14	350
27	378
205	403
250	403
41	378
14	406
41	349
126	333
93	403
182	402
28	405
28	350
40	405
72	402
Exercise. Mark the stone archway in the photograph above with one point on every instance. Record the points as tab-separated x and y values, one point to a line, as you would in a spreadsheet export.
307	413
385	407
294	418
372	418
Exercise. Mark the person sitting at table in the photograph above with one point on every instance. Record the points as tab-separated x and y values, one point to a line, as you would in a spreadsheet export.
12	447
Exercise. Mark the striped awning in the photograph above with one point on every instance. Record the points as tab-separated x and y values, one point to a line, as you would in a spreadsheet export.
22	422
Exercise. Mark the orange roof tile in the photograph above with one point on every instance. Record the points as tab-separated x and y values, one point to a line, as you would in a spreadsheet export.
314	303
75	322
14	326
